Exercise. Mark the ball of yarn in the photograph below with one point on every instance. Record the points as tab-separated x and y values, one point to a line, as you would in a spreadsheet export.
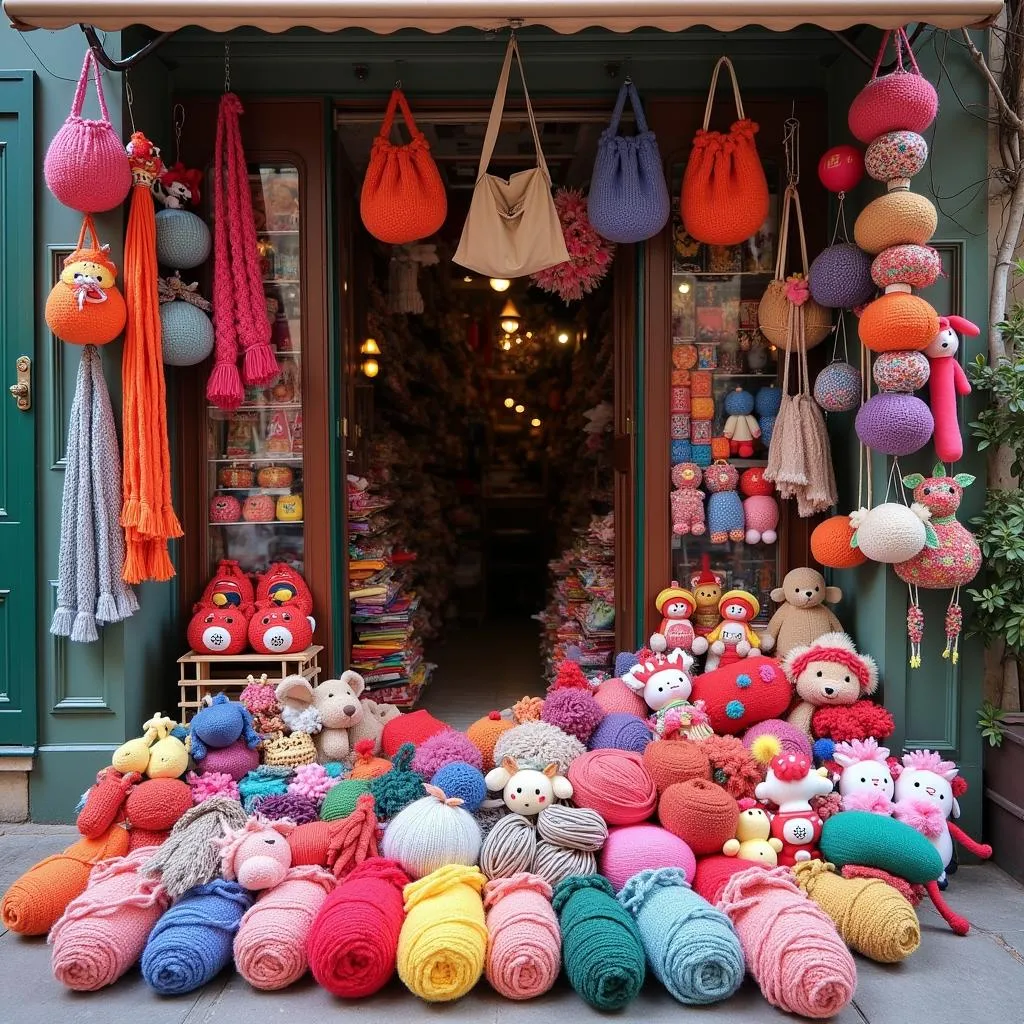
733	766
702	814
443	748
399	787
671	761
485	732
538	743
898	322
430	833
895	424
622	732
341	799
830	544
890	533
509	847
840	277
186	334
415	727
614	783
901	371
574	711
527	709
613	695
773	737
637	848
182	239
917	265
574	828
156	804
555	863
900	101
897	218
464	781
293	806
236	760
896	156
875	841
837	388
487	817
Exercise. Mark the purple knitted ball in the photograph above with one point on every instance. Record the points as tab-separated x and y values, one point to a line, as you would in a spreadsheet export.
299	809
236	760
895	424
837	387
574	711
621	731
443	748
840	277
791	739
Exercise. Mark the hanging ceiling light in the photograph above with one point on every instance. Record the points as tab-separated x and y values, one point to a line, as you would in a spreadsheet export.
500	284
520	409
509	403
535	422
370	348
563	337
510	318
370	367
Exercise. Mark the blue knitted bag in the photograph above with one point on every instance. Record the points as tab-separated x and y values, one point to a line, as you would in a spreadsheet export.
628	199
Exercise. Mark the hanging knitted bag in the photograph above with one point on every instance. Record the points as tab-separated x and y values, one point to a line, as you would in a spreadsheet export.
901	101
86	167
628	199
725	193
85	306
403	197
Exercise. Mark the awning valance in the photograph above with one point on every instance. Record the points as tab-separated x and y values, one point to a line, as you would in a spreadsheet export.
563	16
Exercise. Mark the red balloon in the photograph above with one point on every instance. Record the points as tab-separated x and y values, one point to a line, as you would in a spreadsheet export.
841	168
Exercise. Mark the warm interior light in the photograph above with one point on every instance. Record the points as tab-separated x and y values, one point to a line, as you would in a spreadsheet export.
520	409
510	318
370	348
509	402
500	284
529	334
371	367
684	288
535	422
468	279
506	344
519	340
563	338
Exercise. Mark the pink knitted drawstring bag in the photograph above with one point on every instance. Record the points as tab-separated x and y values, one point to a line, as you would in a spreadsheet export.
239	306
86	167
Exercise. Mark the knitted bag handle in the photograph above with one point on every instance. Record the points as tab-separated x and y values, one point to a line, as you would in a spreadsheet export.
87	228
398	102
902	44
791	204
78	102
628	89
740	115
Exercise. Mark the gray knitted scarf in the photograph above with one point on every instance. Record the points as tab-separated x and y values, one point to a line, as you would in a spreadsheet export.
90	590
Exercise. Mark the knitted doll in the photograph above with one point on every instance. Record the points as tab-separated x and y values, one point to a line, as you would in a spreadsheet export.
790	784
687	500
707	591
865	783
725	509
802	616
733	638
677	605
760	509
741	428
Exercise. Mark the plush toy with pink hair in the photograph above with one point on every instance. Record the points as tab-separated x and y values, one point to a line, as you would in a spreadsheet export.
257	855
865	783
946	382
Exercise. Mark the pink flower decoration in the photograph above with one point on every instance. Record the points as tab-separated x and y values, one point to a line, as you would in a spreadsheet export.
797	289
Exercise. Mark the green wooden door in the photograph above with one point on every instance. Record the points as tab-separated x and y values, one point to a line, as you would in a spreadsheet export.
18	593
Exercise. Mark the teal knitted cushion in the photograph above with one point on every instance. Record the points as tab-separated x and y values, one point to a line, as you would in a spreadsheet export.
874	841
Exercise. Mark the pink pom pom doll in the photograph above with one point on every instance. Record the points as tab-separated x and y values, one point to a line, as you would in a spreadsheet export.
865	783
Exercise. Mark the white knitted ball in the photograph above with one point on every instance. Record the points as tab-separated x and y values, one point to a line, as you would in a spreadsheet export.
428	834
186	333
182	239
889	533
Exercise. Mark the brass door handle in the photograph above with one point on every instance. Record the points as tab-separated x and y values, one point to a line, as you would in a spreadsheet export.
21	392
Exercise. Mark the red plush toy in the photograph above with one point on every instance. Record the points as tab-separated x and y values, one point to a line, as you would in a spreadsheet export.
740	695
228	586
281	584
276	629
219	630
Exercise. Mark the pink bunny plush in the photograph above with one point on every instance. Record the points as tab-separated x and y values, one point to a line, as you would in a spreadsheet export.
946	382
257	855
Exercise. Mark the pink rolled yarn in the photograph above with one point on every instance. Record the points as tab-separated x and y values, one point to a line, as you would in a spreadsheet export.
524	947
790	944
104	931
636	848
270	945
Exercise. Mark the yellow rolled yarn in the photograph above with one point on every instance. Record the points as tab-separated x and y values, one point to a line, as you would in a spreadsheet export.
872	917
442	948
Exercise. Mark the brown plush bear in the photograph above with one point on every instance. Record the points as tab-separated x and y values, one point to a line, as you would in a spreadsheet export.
828	673
803	616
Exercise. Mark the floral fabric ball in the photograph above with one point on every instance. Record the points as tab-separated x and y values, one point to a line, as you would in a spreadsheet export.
896	156
840	277
916	265
837	388
895	424
904	372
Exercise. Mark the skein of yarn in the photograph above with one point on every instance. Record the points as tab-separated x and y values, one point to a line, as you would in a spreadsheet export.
702	814
430	833
670	761
635	848
620	730
555	863
575	828
509	847
614	783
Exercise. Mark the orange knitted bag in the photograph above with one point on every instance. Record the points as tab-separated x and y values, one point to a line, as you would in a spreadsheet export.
725	193
403	197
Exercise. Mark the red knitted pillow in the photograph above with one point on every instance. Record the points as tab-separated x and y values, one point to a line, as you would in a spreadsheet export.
742	694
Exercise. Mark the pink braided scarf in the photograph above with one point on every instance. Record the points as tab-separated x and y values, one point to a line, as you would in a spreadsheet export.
239	306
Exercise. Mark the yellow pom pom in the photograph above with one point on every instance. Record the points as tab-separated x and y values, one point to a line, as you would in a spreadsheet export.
764	748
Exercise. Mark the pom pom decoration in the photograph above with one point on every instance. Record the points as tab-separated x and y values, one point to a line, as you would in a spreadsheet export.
895	424
445	748
733	766
574	711
901	371
590	255
896	156
892	532
463	781
830	544
841	168
838	387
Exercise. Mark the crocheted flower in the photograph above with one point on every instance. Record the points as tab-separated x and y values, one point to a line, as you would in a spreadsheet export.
798	291
211	784
312	781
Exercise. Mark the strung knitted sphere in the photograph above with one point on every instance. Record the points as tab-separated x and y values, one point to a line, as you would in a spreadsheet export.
614	783
509	847
895	424
430	833
485	732
182	239
889	533
621	731
837	388
840	277
898	321
614	695
671	761
702	814
638	848
773	317
896	156
464	781
341	799
830	544
904	372
897	218
444	748
917	265
538	743
186	333
902	100
574	711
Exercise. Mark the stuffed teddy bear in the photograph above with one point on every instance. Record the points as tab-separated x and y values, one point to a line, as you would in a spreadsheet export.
707	592
687	500
827	673
802	617
725	510
741	428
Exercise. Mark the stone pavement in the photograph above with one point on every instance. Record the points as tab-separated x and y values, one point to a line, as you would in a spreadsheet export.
949	980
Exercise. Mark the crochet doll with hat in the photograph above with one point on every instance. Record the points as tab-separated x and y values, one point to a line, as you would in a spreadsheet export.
676	605
733	638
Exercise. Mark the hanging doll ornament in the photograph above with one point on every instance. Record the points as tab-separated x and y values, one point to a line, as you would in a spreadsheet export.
947	381
186	330
182	237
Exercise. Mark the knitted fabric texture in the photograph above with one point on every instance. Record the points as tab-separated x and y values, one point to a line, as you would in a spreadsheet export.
733	767
898	154
744	693
488	817
509	847
191	943
236	761
894	424
442	948
691	946
555	863
670	761
311	842
524	954
636	848
614	783
840	277
575	828
898	322
34	903
875	841
602	950
613	695
414	728
90	590
538	744
266	780
871	916
620	731
443	748
902	99
702	814
783	737
897	218
463	781
210	784
155	805
104	930
400	786
484	734
296	808
574	711
104	802
182	241
353	942
270	946
312	782
830	544
430	833
367	765
341	799
354	839
920	266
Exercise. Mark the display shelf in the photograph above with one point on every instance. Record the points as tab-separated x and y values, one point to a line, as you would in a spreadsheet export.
246	460
281	280
260	522
293	233
255	489
256	407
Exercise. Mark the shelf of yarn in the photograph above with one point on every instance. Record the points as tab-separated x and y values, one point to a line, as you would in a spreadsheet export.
259	522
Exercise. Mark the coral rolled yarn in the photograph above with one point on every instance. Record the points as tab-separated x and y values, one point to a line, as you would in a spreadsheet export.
354	940
830	544
701	813
671	761
614	783
898	322
634	848
897	218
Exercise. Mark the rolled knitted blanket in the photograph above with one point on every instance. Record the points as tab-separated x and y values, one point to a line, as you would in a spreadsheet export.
191	943
33	904
443	945
524	952
872	917
103	932
601	947
353	941
692	948
270	947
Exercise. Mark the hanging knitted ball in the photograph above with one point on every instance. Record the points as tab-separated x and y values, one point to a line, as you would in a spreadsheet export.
896	156
187	334
897	218
898	321
830	544
182	239
840	277
902	100
895	424
773	313
837	387
888	533
901	371
841	168
917	265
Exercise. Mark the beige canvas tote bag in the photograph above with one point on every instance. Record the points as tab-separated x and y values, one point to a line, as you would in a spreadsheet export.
512	229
